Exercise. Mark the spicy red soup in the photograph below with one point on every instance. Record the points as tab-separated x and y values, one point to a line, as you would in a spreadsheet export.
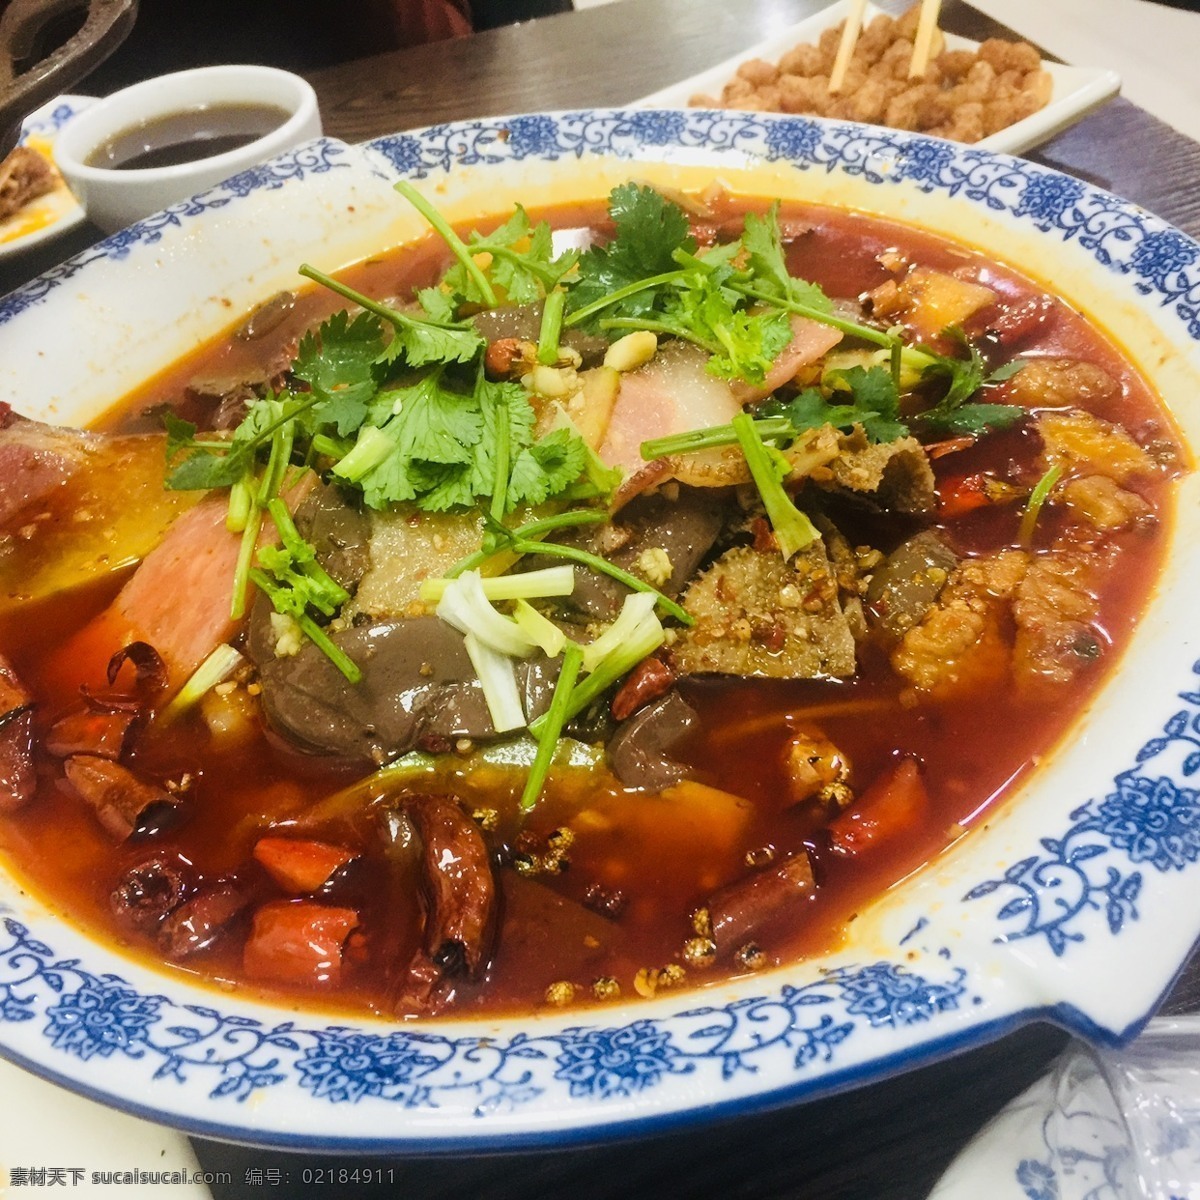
562	624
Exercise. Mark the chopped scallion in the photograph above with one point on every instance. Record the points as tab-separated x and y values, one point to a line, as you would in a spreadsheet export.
1033	507
551	725
586	559
465	606
497	677
539	629
636	609
216	668
532	585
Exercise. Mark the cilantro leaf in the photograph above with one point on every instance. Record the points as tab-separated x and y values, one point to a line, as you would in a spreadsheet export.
522	261
389	482
547	467
743	344
422	343
876	400
180	434
438	305
767	259
500	401
204	469
444	486
338	363
874	404
966	377
809	410
219	466
973	419
435	424
648	230
418	341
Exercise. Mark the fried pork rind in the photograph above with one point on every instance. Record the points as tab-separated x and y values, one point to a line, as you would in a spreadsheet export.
964	95
960	643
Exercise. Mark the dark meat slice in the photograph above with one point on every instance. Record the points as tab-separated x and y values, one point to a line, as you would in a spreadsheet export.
198	922
18	780
340	533
123	803
268	316
24	176
541	928
231	392
907	584
774	897
1014	324
418	689
684	530
100	732
639	751
150	891
35	461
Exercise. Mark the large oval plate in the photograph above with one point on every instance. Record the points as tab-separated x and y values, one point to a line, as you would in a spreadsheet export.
1074	901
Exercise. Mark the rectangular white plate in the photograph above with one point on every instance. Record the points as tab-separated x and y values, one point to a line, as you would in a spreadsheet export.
1077	90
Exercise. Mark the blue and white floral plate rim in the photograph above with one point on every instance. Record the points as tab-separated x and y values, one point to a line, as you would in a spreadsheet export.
1095	872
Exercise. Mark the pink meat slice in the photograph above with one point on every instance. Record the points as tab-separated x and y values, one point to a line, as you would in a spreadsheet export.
811	340
675	393
35	461
178	600
671	394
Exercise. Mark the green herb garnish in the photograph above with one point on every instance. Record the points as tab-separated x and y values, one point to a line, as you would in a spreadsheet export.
768	468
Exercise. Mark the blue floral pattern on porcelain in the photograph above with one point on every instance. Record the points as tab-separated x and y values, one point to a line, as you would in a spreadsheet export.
88	1016
1149	822
313	158
838	1020
1165	263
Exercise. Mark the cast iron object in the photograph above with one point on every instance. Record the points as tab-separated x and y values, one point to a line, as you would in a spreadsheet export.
25	86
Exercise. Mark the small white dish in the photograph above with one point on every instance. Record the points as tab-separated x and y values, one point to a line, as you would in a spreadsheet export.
51	215
1077	90
115	197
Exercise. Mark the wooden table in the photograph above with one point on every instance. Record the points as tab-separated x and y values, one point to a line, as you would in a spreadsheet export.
888	1141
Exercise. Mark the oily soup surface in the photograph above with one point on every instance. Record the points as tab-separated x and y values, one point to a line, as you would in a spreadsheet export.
614	900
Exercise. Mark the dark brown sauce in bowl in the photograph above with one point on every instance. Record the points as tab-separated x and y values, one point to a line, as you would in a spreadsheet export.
186	136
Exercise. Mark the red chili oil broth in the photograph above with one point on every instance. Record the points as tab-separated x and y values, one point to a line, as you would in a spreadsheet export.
664	858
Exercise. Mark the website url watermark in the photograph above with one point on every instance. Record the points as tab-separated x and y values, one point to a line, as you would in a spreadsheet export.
68	1177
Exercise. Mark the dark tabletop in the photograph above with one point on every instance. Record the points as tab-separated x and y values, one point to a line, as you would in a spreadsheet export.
887	1141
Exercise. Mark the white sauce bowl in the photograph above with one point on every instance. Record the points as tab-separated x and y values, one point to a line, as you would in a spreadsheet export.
116	197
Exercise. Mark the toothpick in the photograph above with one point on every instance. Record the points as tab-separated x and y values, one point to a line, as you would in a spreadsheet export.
850	32
923	42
